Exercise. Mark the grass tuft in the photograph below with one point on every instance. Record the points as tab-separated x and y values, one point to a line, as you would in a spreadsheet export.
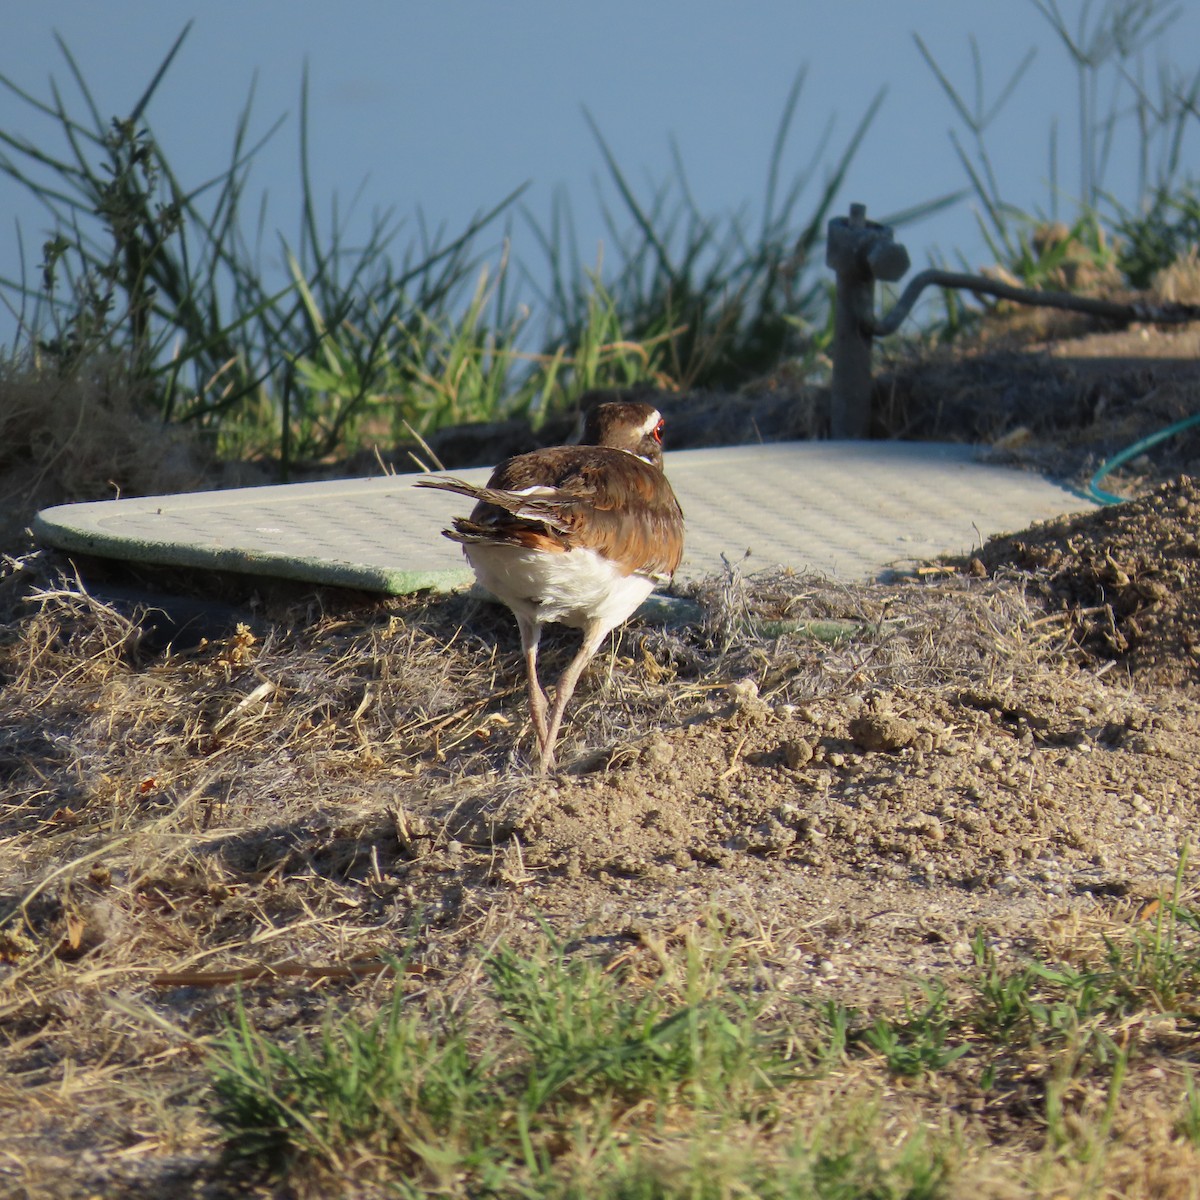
563	1079
388	1090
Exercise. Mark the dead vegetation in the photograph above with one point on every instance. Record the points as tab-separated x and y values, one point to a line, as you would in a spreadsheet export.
848	794
86	435
292	811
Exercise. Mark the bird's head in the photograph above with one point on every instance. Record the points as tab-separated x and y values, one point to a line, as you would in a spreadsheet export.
630	425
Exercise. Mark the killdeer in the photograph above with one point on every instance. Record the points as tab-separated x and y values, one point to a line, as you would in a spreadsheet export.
574	534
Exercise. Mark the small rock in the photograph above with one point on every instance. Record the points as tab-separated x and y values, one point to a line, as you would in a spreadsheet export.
710	855
742	692
808	829
629	865
768	837
796	752
882	731
658	753
926	825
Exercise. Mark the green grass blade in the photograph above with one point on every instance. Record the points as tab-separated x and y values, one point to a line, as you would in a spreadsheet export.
135	114
640	217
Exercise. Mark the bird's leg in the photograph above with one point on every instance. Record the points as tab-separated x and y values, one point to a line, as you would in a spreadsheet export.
538	704
592	637
531	635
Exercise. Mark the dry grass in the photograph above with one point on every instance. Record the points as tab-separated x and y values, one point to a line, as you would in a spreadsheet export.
1179	283
87	435
293	811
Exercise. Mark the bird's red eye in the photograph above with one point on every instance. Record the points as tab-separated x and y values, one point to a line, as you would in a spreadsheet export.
657	434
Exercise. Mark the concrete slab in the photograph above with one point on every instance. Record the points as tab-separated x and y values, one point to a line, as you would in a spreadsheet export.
852	510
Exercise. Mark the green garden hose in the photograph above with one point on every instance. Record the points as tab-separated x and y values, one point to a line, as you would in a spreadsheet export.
1094	488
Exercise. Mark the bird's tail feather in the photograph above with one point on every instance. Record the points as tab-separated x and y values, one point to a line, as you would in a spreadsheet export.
545	505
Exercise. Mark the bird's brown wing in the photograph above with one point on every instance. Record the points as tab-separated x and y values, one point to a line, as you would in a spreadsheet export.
628	512
568	496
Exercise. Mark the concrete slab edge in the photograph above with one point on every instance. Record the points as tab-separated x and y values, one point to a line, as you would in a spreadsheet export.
392	581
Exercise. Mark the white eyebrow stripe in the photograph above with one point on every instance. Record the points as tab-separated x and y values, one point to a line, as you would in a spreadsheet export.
651	423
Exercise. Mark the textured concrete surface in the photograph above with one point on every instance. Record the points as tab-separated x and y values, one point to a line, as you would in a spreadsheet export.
852	510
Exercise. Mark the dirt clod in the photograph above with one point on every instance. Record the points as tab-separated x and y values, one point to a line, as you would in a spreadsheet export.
882	731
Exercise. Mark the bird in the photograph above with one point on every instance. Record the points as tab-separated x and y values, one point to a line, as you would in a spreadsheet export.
577	535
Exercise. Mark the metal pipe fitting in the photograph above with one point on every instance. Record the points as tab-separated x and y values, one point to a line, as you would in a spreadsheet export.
861	251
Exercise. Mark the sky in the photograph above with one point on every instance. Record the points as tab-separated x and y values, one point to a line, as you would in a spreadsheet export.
446	106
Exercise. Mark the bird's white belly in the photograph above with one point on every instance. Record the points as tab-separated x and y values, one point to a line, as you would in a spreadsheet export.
574	588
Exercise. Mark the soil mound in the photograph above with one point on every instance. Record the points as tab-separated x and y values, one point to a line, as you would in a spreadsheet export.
1126	579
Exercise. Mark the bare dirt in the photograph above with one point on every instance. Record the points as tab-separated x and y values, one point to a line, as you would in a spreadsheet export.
1006	745
892	812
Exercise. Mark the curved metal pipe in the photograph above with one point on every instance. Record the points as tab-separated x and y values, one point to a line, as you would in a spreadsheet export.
935	277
